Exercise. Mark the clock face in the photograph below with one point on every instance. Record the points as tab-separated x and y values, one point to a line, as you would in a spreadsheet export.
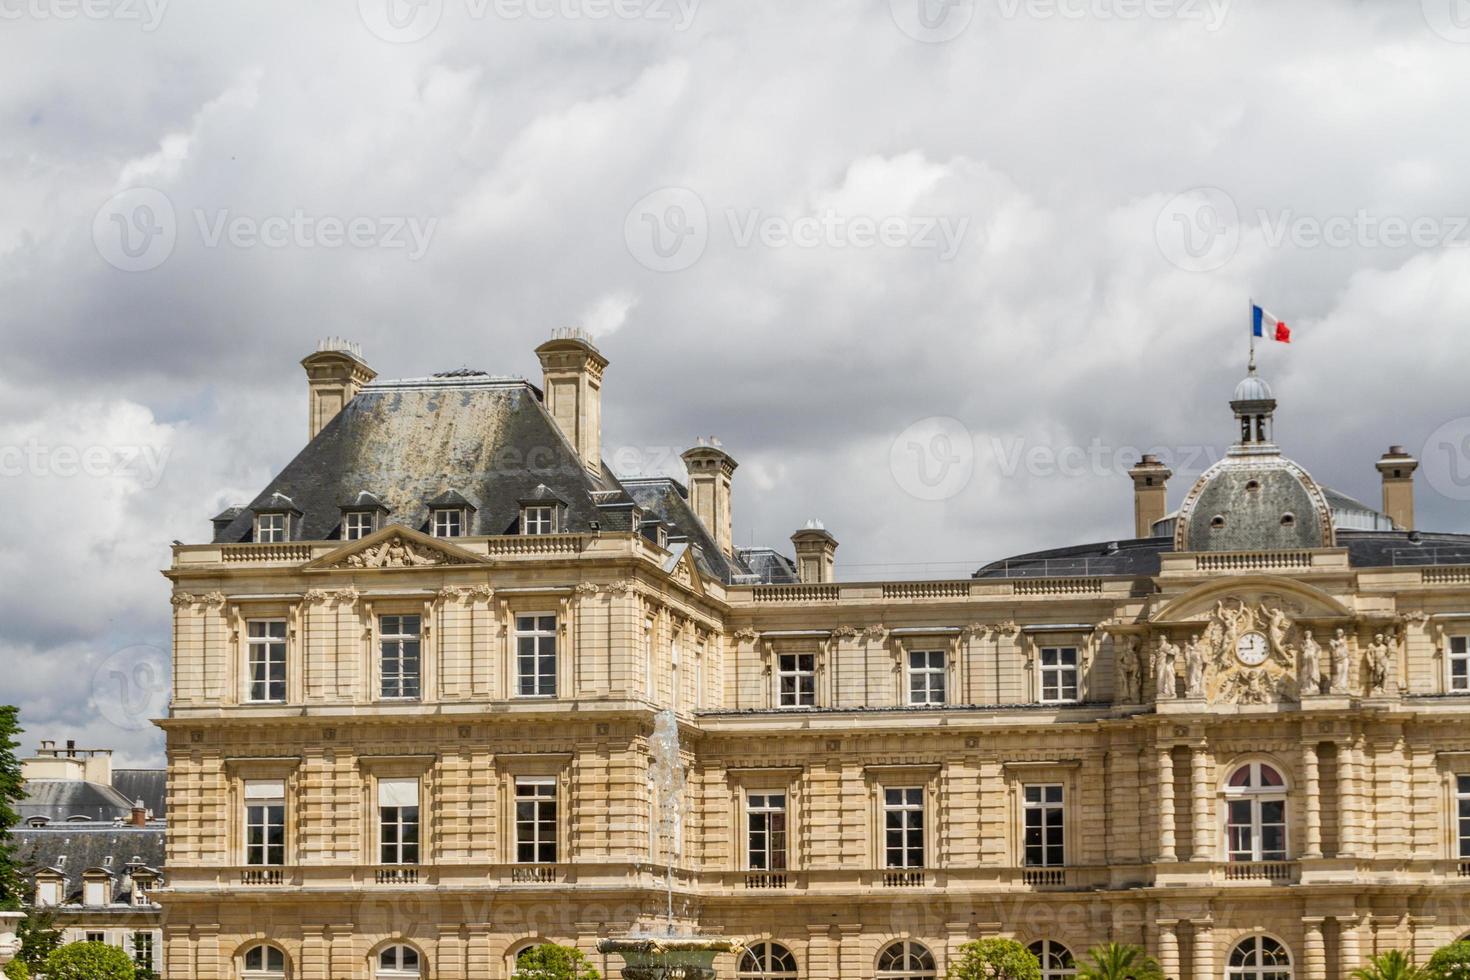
1251	649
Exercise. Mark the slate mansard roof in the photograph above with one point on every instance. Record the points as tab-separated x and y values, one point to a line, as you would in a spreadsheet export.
73	849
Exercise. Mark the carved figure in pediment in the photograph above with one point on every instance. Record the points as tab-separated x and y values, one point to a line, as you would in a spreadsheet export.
1277	623
1309	674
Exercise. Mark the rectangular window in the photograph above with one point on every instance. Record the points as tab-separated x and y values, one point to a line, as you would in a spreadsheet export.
536	821
143	949
538	520
926	676
797	676
1045	843
536	656
1460	663
767	844
398	821
96	937
1462	814
903	827
265	822
448	523
357	524
270	528
398	639
266	640
1059	673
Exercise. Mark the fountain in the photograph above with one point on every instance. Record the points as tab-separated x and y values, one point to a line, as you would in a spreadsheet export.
666	955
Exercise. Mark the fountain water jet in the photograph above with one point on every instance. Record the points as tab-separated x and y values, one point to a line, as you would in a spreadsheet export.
666	956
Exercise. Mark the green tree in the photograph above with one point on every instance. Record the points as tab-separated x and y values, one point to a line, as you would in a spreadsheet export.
552	962
16	970
1392	965
89	961
995	959
38	938
1450	962
12	883
1119	961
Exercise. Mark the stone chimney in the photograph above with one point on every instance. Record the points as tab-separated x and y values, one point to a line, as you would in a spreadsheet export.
1150	494
334	375
710	469
139	817
571	370
816	553
1398	469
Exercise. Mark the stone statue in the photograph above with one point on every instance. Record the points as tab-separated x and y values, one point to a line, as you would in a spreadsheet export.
1194	668
1310	672
1277	625
1342	661
1164	673
1129	690
1380	666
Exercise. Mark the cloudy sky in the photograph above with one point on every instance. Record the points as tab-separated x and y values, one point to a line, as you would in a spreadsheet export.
934	272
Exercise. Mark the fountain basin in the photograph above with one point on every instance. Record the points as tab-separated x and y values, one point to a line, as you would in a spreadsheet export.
670	957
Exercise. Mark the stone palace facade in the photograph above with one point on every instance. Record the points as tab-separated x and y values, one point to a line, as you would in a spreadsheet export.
416	676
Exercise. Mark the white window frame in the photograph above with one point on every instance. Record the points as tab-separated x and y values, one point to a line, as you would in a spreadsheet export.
397	815
142	956
907	950
538	519
763	808
358	524
388	963
537	792
1055	675
542	685
92	936
260	652
1043	808
272	528
447	522
1457	662
1256	794
1057	961
768	960
904	813
1461	817
800	669
259	815
928	683
402	644
265	971
1254	946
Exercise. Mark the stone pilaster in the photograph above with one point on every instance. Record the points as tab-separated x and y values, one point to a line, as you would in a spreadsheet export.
1347	817
1169	948
1201	826
1204	949
1348	955
1167	852
819	959
1313	802
1314	948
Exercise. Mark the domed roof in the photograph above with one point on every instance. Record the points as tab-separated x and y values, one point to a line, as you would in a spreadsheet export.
1253	389
1254	503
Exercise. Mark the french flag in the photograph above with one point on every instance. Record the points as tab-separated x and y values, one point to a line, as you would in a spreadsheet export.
1263	324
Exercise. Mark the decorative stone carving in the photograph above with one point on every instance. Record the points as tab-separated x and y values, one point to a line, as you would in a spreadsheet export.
398	552
1342	662
875	632
1381	667
1194	668
845	633
1164	671
587	588
746	634
1129	676
1309	672
1228	677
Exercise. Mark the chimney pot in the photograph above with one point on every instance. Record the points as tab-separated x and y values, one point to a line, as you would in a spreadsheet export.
335	373
1397	470
710	470
571	368
1150	494
816	553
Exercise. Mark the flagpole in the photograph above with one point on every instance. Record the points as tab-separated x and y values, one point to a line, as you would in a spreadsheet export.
1252	303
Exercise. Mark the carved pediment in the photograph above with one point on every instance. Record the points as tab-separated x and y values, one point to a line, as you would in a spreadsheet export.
682	568
1300	600
395	547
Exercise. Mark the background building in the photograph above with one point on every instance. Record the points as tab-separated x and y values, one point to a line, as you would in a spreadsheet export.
415	679
91	844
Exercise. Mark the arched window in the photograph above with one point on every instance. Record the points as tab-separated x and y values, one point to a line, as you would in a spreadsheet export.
906	960
1259	958
1255	814
398	963
767	961
1055	959
264	962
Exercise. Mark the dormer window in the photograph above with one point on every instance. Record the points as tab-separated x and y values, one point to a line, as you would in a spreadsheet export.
447	522
270	528
357	524
538	519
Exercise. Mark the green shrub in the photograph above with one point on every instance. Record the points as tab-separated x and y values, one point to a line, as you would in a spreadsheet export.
1450	962
552	962
89	961
995	959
